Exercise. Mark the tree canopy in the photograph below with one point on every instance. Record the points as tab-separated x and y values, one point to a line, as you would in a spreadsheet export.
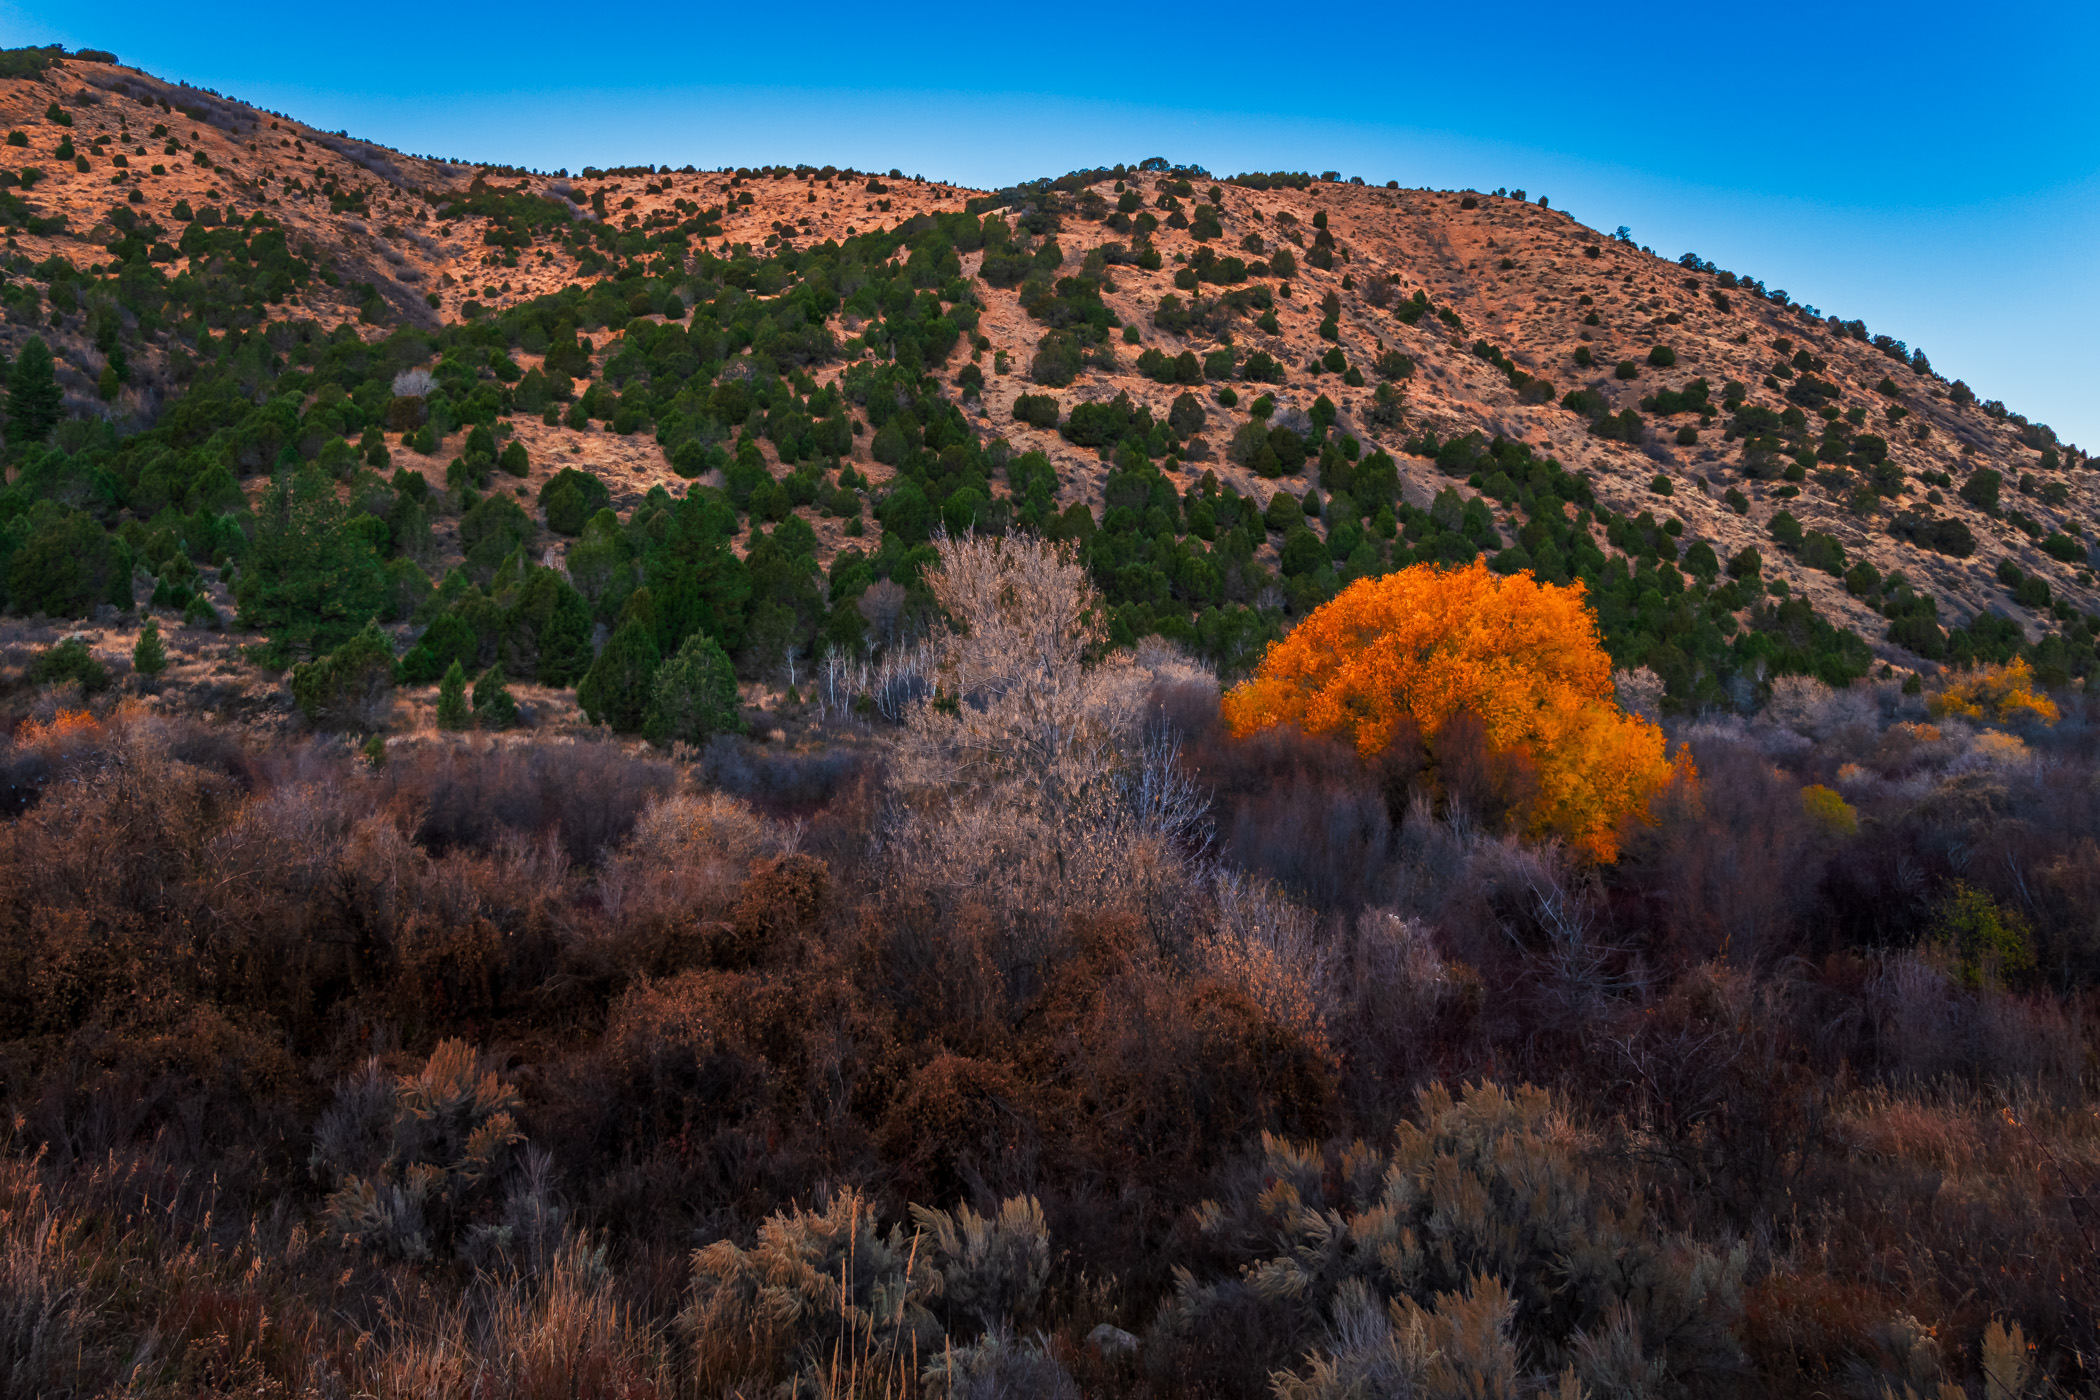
1395	660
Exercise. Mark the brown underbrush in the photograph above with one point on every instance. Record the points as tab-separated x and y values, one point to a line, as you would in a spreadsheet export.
550	1068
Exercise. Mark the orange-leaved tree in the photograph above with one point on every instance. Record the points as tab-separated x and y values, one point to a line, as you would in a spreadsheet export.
2003	693
1396	659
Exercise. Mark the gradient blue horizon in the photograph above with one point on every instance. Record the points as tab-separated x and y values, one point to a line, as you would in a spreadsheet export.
1929	169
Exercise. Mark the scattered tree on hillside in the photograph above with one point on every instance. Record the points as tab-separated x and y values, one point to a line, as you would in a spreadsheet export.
35	402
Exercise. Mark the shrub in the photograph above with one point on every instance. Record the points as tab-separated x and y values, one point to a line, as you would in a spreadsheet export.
69	662
1036	410
1982	488
824	1291
351	687
693	696
1829	811
1661	356
1822	551
570	498
1262	368
2005	694
1942	534
1396	660
1057	361
2062	547
1430	1268
1626	369
1391	364
1985	942
414	1160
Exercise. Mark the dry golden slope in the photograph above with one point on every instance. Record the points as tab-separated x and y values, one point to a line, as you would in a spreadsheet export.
1423	238
1531	311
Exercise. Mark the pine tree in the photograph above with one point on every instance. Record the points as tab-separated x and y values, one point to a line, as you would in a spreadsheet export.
452	712
694	695
35	403
351	687
149	658
494	706
618	688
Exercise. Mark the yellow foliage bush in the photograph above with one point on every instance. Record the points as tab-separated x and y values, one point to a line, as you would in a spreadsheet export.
1829	811
2002	693
1395	658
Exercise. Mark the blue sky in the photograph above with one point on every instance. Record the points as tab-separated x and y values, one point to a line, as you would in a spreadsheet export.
1929	169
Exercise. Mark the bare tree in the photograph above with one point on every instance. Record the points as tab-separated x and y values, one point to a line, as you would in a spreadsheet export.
882	605
1018	708
1025	772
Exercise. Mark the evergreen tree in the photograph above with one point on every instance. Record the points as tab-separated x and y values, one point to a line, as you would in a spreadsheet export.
150	657
350	688
494	706
452	710
619	687
311	577
66	566
69	660
546	629
694	695
35	403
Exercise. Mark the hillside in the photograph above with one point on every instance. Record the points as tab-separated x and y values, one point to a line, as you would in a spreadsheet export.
887	347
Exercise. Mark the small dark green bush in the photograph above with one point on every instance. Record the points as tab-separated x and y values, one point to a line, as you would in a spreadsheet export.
570	498
1941	534
1036	410
68	661
1982	488
2060	546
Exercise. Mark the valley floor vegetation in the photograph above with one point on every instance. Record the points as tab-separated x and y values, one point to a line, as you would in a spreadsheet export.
1058	1037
